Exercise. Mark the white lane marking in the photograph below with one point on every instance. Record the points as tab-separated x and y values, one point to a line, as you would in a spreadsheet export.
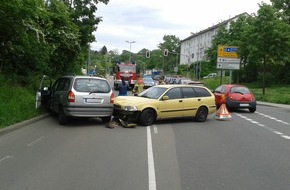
35	141
5	158
264	126
285	137
155	129
278	133
273	118
151	168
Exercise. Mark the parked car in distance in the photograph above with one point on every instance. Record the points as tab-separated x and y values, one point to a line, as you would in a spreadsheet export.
197	83
165	102
182	80
211	75
76	96
148	82
235	96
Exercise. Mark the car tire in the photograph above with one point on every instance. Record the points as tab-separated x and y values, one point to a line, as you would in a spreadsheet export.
62	118
106	119
201	114
252	110
147	117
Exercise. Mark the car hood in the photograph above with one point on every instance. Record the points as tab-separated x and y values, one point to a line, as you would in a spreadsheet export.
131	100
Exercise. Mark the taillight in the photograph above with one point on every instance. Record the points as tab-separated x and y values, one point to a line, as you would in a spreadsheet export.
70	96
112	98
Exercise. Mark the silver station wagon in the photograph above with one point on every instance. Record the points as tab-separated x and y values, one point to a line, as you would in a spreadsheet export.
76	96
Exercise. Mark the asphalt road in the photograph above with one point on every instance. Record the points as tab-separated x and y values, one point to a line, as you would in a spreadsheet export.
251	151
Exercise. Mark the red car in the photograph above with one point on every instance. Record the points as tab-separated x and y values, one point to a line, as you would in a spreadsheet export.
235	96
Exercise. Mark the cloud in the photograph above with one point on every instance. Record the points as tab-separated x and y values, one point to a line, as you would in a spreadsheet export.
147	21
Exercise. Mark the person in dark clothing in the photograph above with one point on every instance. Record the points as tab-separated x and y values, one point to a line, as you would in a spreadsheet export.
123	87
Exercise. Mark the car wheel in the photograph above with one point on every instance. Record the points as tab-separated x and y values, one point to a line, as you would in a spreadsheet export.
147	117
252	110
201	114
106	119
62	118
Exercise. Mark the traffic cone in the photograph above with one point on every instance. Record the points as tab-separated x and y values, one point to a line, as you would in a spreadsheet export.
223	113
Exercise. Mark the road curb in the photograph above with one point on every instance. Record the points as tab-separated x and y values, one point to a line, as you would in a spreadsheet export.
22	124
286	106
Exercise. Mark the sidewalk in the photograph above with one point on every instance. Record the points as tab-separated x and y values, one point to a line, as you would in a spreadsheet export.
286	106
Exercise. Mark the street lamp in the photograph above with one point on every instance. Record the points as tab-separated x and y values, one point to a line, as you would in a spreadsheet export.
130	48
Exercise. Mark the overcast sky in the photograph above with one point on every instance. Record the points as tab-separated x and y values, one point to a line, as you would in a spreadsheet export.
147	21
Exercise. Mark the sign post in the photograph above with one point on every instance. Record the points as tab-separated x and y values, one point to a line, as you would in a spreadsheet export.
228	58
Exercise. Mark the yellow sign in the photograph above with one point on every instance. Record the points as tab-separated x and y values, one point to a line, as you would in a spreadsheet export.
227	51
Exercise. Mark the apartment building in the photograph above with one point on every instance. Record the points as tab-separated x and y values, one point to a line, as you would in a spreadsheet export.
193	48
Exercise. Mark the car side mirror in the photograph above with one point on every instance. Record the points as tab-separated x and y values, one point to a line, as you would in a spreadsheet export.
165	98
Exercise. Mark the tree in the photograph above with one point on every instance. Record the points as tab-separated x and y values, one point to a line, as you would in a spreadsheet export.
268	38
221	38
172	43
23	48
283	13
283	7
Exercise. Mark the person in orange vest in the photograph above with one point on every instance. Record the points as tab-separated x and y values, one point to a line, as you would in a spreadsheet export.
138	87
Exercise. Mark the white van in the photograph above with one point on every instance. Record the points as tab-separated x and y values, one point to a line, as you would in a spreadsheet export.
211	75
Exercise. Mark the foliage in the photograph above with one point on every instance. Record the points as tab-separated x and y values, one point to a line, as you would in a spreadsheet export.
264	45
18	104
172	43
45	37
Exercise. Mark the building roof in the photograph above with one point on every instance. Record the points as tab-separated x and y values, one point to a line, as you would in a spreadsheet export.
214	27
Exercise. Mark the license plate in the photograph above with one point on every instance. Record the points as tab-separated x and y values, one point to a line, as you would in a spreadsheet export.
93	100
244	105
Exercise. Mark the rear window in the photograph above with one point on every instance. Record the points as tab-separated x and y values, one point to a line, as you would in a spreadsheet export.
240	89
91	85
201	92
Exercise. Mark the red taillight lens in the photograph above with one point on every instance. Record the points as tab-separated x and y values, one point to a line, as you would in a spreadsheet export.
112	98
70	96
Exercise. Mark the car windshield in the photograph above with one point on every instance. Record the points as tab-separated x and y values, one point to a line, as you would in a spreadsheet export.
153	92
240	89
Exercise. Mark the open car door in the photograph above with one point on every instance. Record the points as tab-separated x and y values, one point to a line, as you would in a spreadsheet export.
43	93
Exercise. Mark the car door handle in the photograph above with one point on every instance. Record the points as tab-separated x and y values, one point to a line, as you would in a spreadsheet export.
180	100
198	99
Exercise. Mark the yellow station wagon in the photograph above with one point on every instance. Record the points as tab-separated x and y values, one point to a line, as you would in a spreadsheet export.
165	102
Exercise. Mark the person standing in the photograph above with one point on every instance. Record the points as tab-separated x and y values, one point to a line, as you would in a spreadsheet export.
138	87
161	81
123	87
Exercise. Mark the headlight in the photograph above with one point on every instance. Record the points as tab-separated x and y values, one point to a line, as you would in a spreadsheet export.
129	108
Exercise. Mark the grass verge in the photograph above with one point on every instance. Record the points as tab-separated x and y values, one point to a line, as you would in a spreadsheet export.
274	94
17	104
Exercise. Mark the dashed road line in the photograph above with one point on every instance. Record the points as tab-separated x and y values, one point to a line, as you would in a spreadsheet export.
5	158
155	129
264	126
35	141
273	118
